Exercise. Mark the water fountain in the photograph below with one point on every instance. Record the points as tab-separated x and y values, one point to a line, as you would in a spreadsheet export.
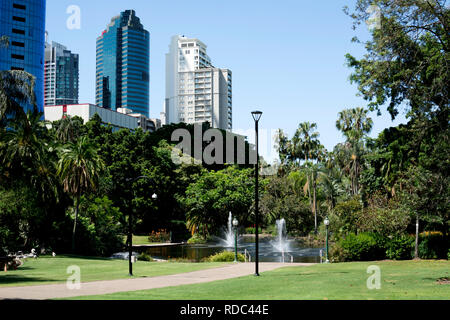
228	241
270	250
281	244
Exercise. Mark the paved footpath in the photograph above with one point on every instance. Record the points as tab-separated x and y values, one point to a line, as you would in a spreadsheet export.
42	292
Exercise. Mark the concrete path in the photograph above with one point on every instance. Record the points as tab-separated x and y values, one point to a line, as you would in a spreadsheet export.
111	286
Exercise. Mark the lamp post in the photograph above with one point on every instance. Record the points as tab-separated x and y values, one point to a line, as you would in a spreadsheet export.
235	224
256	116
130	231
326	222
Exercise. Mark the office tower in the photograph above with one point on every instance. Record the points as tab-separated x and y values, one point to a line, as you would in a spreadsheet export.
196	91
122	76
23	22
60	76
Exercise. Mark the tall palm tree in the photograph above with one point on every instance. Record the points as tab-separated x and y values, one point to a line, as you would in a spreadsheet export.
305	141
355	124
68	129
24	149
79	168
305	144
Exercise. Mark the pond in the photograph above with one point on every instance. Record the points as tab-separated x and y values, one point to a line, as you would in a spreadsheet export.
297	251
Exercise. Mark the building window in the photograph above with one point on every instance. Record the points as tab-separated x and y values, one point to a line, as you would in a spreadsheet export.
19	6
18	56
18	44
18	31
20	19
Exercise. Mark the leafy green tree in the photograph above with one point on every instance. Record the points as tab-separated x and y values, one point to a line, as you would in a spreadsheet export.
68	129
284	198
208	200
79	167
102	234
407	60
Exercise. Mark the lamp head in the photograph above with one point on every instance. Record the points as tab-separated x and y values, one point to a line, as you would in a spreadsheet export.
154	196
326	221
235	222
256	115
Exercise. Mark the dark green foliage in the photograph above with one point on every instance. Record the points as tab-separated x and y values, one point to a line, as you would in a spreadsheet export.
400	247
361	247
372	246
251	230
209	199
145	257
280	200
101	230
345	216
226	256
434	246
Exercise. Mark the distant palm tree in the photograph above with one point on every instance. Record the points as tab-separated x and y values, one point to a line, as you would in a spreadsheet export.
68	129
79	168
355	125
305	141
23	148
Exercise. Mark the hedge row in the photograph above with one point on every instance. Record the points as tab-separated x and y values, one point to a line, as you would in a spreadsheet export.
373	246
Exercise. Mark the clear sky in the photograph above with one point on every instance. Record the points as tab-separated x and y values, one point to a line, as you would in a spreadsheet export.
287	56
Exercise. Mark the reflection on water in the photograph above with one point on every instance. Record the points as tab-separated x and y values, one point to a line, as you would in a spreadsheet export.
267	252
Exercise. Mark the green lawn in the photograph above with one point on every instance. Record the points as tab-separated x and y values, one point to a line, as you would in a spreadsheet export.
50	270
399	280
137	240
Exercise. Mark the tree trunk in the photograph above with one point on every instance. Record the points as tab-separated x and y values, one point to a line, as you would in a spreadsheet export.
416	248
314	205
77	203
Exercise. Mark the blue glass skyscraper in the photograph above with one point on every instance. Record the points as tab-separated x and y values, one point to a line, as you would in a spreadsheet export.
23	22
123	62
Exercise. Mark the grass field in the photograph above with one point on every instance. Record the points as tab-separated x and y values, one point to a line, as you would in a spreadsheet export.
51	270
399	280
139	240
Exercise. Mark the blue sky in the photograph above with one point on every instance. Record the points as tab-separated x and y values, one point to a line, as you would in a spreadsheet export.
287	56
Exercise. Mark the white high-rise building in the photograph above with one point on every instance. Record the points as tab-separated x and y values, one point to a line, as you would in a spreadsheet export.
196	91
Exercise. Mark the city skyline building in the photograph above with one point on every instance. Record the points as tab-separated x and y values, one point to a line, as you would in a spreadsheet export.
61	75
123	64
120	119
196	91
23	22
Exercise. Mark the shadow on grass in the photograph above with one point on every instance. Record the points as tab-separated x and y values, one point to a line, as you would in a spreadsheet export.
17	279
74	256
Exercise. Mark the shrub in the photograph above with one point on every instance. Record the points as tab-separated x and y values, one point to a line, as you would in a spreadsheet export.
346	215
448	254
251	230
225	256
145	257
198	239
159	236
400	247
361	247
433	246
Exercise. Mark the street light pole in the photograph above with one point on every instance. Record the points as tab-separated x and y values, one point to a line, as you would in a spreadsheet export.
235	224
256	116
